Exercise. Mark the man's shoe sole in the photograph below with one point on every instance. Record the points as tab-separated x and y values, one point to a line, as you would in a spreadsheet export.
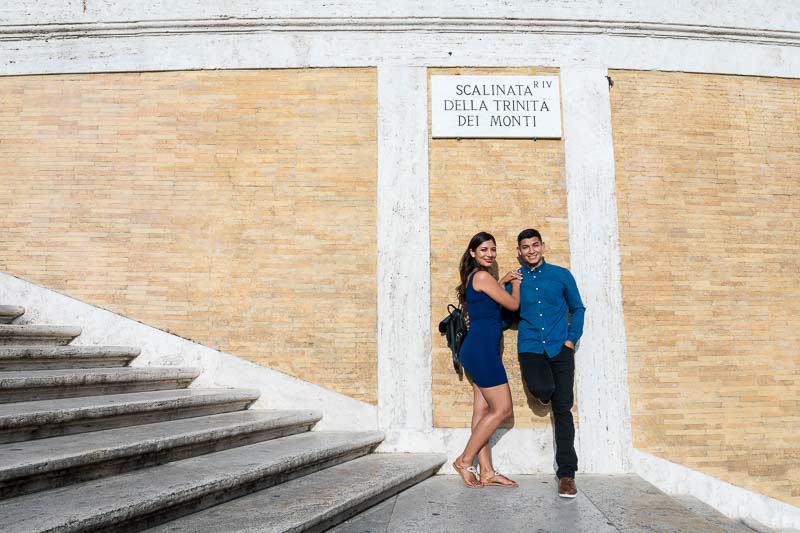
567	495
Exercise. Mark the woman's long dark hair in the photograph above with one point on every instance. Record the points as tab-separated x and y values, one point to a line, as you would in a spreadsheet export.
468	264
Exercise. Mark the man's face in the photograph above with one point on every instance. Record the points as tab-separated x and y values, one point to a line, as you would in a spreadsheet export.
530	250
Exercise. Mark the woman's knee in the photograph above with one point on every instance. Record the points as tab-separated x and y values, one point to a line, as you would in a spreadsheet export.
503	411
480	409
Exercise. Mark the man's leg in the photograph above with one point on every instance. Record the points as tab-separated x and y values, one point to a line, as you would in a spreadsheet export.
535	368
563	369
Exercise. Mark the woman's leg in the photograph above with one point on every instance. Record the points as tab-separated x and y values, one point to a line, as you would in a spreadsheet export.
498	399
480	409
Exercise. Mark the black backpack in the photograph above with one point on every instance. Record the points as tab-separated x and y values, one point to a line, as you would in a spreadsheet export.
454	328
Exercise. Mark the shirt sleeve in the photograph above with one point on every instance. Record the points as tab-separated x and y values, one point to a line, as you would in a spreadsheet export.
576	309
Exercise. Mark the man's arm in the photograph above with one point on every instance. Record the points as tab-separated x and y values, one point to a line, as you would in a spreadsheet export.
509	317
576	311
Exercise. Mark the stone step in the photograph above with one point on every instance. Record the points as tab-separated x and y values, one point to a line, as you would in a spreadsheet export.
54	462
9	312
49	418
15	334
314	502
149	497
20	386
48	357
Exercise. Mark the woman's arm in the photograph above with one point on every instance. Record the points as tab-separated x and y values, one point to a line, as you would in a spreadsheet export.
484	282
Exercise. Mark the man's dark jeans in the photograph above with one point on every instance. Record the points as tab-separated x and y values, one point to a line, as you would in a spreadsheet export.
552	380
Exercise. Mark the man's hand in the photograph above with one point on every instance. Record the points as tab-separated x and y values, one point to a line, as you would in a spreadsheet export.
569	344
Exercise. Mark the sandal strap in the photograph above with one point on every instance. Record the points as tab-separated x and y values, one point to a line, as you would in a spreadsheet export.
495	474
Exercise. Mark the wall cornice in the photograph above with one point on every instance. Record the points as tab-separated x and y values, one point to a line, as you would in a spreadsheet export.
410	25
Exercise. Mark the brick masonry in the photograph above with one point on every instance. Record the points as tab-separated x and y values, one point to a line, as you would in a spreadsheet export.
234	208
709	212
500	186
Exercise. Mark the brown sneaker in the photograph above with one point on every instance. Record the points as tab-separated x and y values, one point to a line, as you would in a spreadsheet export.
567	488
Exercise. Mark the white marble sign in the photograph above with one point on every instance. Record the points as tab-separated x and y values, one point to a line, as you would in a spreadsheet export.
496	107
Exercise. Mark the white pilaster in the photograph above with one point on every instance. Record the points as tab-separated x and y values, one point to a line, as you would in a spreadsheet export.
404	316
604	429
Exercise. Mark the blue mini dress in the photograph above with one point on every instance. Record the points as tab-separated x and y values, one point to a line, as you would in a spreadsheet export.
480	353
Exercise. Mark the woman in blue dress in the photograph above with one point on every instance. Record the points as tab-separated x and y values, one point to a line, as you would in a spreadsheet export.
482	295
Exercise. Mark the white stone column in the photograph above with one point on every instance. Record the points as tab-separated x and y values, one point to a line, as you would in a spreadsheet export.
404	316
604	425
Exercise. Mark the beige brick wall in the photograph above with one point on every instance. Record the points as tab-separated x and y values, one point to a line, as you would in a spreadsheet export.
709	209
235	208
501	186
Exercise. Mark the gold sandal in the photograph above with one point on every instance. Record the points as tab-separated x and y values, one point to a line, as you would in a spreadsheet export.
471	469
495	478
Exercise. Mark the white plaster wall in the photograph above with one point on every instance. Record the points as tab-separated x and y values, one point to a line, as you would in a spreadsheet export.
308	48
735	37
219	370
730	500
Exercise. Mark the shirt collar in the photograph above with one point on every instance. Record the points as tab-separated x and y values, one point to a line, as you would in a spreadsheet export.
539	268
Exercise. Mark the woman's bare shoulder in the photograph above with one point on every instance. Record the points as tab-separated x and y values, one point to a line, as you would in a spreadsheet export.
482	277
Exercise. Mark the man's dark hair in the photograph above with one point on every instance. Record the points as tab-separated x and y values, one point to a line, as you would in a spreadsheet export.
528	234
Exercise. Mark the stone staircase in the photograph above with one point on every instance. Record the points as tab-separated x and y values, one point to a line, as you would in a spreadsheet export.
88	443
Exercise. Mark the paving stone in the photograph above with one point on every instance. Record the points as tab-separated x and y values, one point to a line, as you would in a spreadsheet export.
443	504
715	517
632	504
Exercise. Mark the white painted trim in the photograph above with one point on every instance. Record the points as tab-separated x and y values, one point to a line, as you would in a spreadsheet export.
604	428
219	369
304	49
730	500
404	304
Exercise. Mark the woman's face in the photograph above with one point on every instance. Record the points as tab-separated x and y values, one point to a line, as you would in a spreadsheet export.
485	254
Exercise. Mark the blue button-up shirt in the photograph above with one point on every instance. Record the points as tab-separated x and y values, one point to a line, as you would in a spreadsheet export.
547	293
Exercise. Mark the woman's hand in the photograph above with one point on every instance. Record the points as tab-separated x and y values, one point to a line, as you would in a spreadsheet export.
484	282
514	275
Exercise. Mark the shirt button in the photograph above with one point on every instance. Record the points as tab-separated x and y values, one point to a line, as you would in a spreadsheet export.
539	303
540	314
542	329
537	288
543	342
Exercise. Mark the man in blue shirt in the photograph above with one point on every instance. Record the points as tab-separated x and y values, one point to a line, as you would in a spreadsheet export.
546	341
